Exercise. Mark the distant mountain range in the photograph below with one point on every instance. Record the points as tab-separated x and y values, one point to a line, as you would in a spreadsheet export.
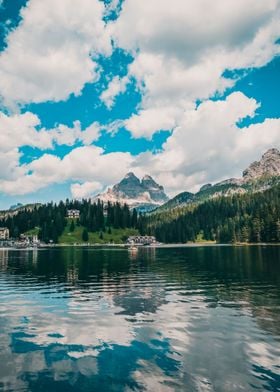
14	210
147	195
144	195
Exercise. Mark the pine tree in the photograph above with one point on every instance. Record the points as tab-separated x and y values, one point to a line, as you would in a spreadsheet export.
85	235
72	226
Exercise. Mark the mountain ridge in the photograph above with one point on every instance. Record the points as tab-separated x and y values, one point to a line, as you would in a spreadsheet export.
258	176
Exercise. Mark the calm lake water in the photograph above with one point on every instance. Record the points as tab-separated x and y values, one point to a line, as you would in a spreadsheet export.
181	319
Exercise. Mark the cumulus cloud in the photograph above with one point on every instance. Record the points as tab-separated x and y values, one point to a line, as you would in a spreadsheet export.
147	121
82	164
181	52
209	146
180	55
115	87
51	54
25	129
87	189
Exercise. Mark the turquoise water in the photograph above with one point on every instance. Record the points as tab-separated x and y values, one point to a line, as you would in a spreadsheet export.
182	319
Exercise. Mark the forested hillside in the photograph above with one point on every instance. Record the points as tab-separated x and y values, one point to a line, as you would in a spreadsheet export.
251	217
51	222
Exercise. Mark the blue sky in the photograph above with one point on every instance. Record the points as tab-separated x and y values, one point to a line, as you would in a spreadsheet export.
89	93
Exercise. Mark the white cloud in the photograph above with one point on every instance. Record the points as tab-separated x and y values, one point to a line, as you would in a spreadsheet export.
181	52
63	134
146	121
83	164
19	130
25	130
50	54
116	86
208	146
186	30
87	189
180	55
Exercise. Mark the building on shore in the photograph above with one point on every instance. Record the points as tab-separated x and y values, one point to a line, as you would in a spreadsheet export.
73	214
29	239
4	233
141	240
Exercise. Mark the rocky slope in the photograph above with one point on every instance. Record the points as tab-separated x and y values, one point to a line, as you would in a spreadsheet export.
268	166
20	207
142	195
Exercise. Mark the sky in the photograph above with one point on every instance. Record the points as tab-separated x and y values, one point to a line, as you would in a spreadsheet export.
186	91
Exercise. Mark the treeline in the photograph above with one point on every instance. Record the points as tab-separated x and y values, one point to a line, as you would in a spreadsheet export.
251	217
51	219
95	216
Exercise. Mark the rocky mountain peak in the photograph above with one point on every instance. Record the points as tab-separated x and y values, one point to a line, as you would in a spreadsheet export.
130	175
155	190
129	186
147	177
130	179
267	166
271	152
136	193
148	182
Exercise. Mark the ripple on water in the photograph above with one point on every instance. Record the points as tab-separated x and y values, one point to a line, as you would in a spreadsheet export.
196	319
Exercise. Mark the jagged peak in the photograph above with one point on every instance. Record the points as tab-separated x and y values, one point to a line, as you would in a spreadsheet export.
271	151
129	178
131	175
147	177
268	165
149	183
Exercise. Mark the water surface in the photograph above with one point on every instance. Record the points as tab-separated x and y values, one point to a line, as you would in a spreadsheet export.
182	319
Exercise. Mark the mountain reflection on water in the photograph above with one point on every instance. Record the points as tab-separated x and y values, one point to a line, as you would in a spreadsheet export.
181	319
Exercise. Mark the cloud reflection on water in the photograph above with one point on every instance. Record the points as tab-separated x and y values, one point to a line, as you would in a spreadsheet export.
79	320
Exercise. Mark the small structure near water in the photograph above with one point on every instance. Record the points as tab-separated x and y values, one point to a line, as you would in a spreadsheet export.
141	240
4	233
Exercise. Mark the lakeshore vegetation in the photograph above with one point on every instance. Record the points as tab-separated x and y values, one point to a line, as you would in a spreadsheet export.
96	224
252	217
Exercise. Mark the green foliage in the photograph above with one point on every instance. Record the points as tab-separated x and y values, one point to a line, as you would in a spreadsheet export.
251	217
76	237
85	235
50	222
72	226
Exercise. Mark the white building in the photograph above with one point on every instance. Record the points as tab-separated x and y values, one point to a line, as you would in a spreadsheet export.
4	233
73	214
141	240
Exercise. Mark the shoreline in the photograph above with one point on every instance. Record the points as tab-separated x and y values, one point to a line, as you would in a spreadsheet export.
154	246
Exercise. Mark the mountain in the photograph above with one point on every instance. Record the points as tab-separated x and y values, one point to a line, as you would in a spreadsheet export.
252	217
268	166
144	195
182	199
259	176
16	206
245	209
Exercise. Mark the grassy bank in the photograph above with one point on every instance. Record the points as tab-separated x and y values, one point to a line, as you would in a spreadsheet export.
117	236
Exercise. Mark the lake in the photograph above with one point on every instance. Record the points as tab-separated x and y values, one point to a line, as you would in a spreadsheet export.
178	319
